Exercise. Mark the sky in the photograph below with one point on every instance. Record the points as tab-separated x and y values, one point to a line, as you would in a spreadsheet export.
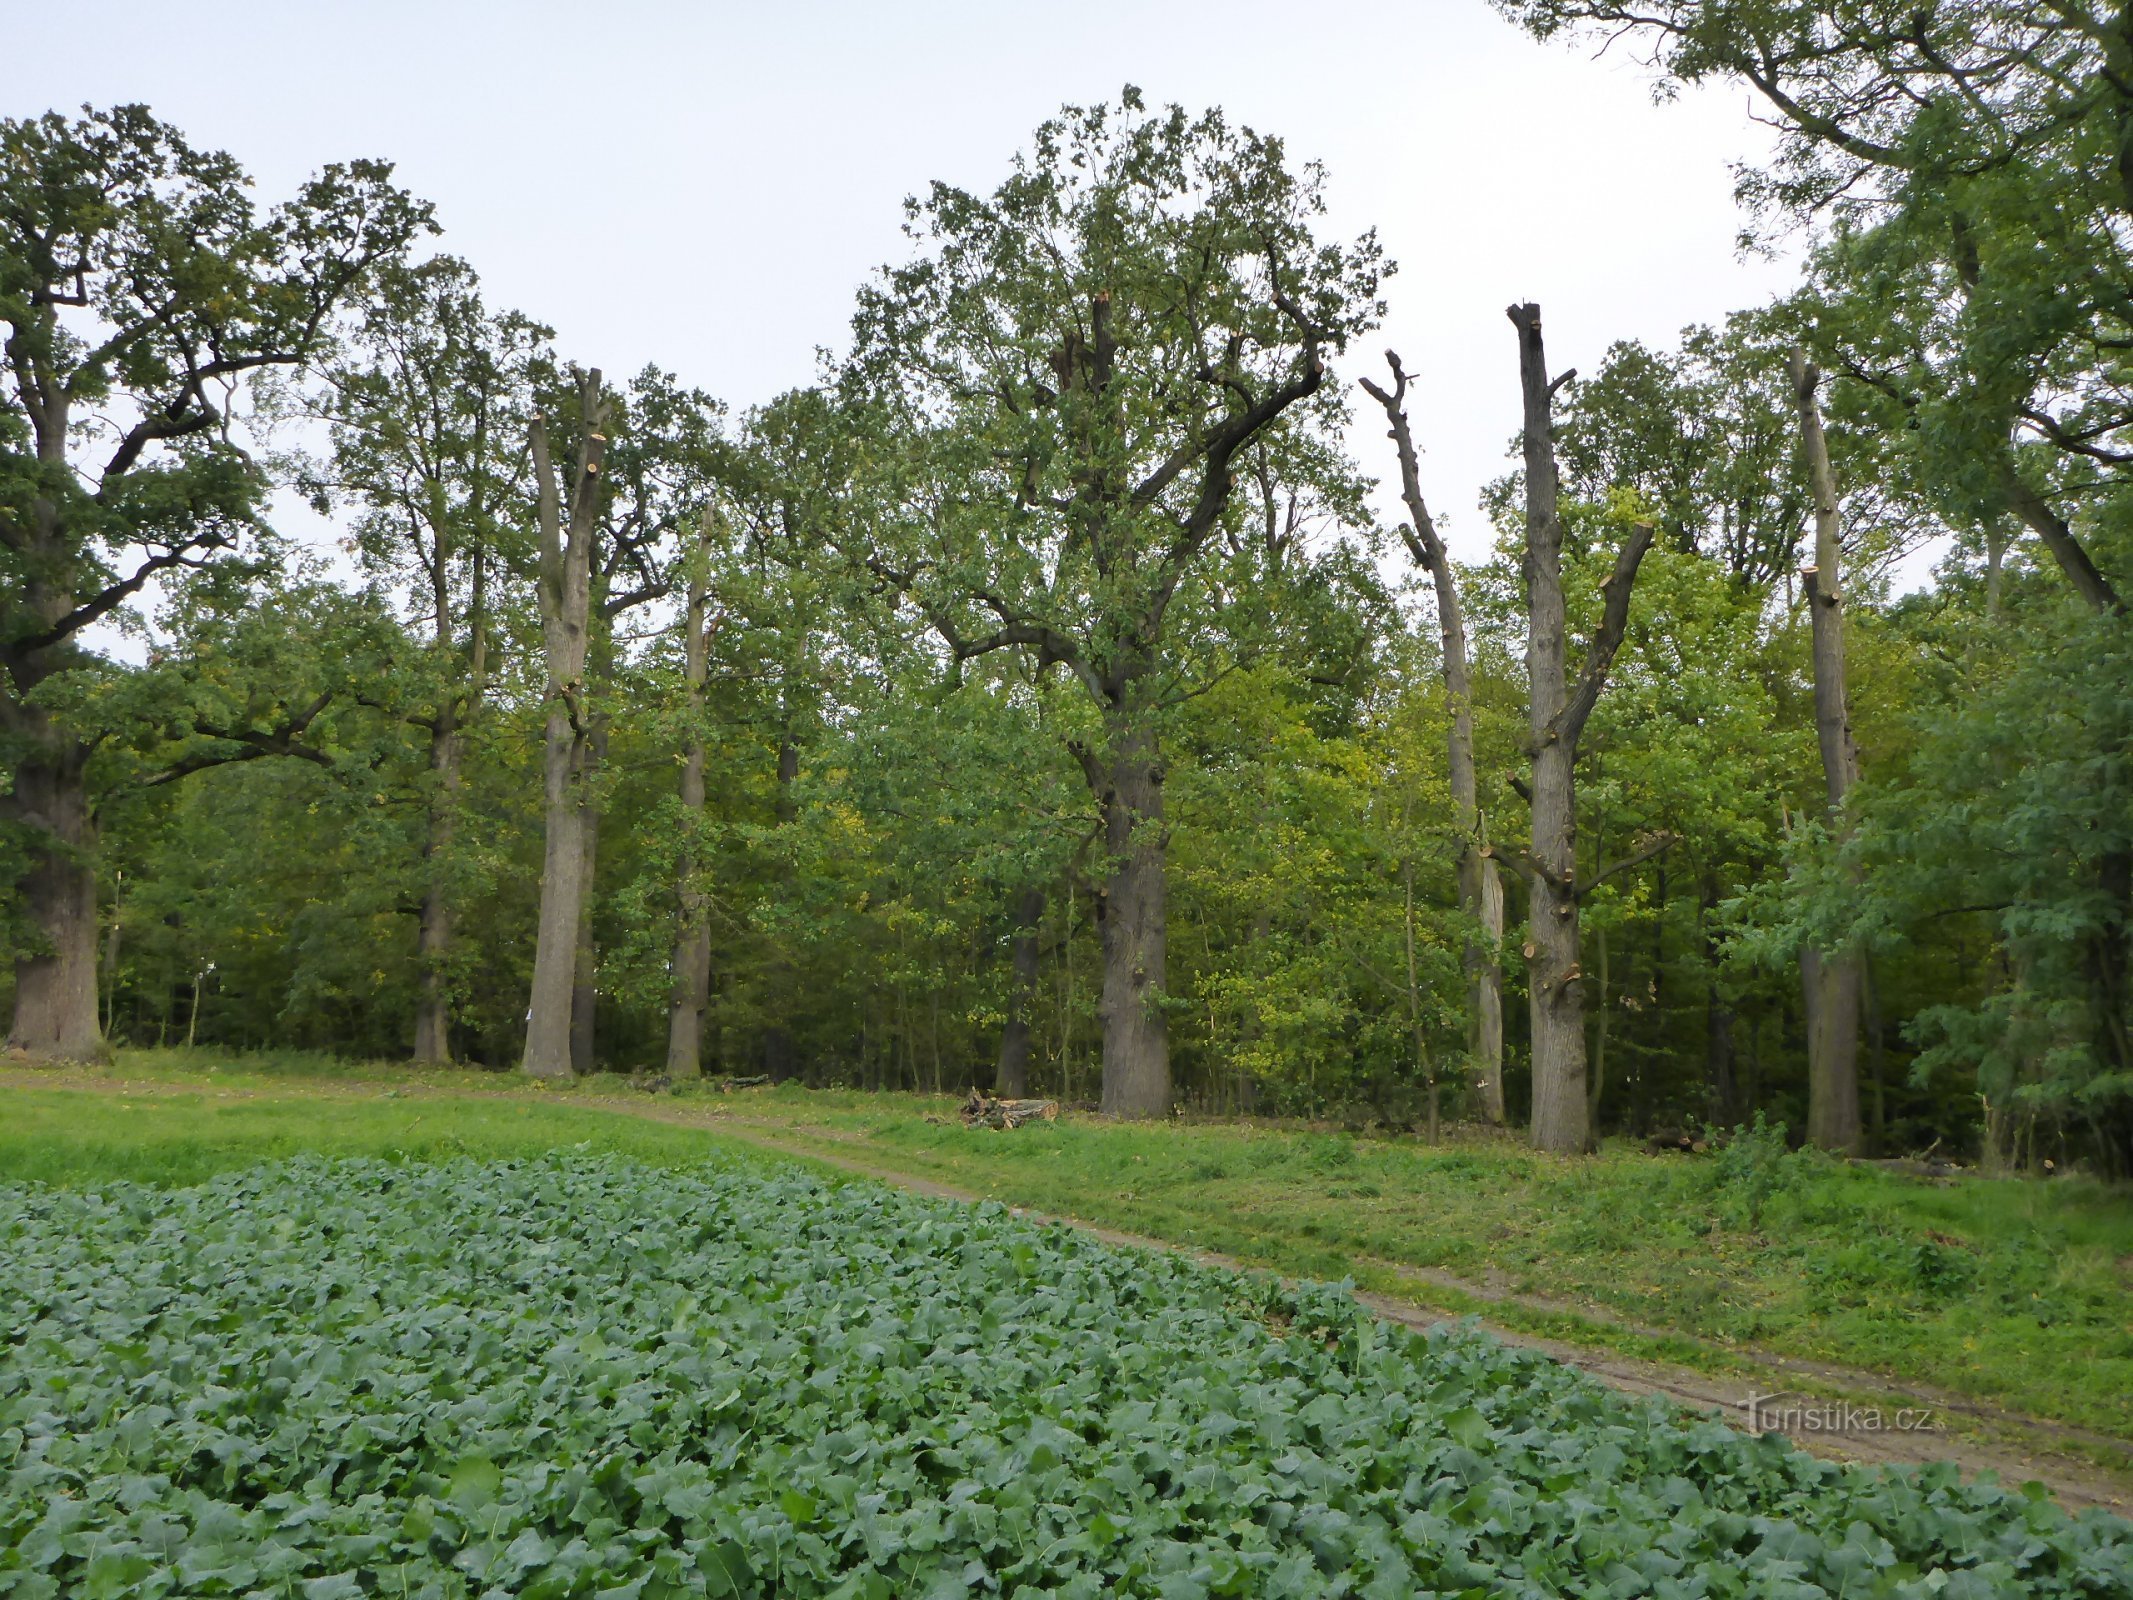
703	185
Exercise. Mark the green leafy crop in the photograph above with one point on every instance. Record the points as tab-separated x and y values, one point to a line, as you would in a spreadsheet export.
577	1376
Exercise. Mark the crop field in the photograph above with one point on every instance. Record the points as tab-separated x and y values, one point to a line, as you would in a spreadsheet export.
578	1375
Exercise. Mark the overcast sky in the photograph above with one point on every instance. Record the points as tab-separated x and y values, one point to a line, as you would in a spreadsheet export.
702	185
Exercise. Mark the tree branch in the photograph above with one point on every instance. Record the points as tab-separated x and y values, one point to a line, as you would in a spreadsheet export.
1614	619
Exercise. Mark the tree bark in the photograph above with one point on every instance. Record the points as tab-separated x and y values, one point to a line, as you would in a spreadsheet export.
1480	888
1833	1029
1132	911
585	955
2060	539
55	982
55	985
691	993
1562	1121
1011	1079
567	531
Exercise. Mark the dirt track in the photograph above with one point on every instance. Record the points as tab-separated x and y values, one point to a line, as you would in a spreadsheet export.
2017	1448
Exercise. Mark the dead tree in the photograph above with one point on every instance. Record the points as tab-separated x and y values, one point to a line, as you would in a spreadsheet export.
1480	886
1831	977
1562	1120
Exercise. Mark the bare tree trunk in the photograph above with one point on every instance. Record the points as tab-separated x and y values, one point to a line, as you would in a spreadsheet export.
691	992
55	985
1833	1031
566	596
585	957
1011	1079
1562	1120
1132	910
1480	889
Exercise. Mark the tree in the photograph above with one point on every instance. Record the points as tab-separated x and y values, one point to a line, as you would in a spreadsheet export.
139	288
429	402
1480	888
1075	366
692	937
1562	1118
569	505
1969	158
1834	976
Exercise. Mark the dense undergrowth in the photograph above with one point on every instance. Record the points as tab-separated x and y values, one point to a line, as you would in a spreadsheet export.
580	1375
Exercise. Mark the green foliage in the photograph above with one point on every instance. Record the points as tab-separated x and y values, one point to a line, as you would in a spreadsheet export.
361	1377
1753	1165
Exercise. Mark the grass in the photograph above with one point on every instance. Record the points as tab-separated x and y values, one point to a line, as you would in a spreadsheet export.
73	1140
2016	1292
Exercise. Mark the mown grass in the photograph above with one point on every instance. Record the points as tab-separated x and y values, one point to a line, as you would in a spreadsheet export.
75	1140
2018	1292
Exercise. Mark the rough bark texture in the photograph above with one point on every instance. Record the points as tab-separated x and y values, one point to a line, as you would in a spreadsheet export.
55	981
1833	1009
1480	889
566	529
55	987
1131	909
691	992
1011	1079
1555	983
585	963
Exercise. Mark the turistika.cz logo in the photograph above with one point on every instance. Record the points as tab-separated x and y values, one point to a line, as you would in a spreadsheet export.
1781	1413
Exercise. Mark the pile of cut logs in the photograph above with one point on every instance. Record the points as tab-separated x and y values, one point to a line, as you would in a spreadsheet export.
983	1111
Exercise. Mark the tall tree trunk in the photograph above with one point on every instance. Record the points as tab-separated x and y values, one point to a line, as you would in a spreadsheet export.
55	984
691	992
780	1059
1011	1079
567	530
585	956
433	1004
1562	1120
1135	939
1833	1029
55	980
555	954
1480	888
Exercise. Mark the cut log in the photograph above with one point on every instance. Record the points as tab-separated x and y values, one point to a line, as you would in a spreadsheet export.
983	1111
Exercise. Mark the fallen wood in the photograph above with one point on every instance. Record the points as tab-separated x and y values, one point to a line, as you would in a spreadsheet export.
983	1111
